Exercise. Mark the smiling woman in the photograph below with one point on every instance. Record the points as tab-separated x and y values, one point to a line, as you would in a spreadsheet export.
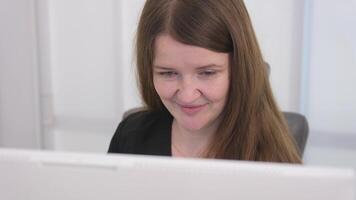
205	86
193	89
194	95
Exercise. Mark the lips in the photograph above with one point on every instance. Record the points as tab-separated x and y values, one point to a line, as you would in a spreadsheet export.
191	109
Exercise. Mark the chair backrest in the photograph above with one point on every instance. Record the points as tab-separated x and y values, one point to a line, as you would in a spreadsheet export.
298	127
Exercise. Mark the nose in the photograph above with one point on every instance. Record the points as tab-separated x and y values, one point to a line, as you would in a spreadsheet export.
188	91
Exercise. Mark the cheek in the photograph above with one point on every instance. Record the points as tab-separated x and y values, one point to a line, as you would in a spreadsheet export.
217	91
164	89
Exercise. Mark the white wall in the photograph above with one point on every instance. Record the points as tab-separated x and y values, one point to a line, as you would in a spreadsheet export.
86	73
330	79
130	12
331	106
279	28
20	124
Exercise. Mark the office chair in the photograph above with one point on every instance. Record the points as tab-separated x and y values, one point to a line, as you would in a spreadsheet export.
298	127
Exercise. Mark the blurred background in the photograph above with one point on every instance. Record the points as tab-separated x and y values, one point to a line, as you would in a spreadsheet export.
67	73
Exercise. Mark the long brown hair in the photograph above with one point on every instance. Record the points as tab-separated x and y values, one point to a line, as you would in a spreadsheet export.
252	126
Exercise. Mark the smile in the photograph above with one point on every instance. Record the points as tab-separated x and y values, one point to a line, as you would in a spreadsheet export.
191	109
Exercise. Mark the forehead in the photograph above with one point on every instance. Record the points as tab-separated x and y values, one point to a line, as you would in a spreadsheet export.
171	53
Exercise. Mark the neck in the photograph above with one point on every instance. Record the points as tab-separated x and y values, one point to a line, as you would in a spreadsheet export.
191	143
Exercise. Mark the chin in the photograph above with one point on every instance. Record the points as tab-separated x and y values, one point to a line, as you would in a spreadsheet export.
192	125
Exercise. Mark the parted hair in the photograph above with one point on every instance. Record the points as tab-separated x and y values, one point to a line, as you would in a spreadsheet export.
252	126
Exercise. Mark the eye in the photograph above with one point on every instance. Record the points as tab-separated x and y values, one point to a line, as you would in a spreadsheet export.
207	73
168	74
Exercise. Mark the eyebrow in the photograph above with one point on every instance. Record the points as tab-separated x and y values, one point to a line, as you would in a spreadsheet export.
164	68
199	68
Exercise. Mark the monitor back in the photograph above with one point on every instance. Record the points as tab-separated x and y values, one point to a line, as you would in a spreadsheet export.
42	175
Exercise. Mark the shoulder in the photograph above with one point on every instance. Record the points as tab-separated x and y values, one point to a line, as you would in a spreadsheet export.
134	130
141	120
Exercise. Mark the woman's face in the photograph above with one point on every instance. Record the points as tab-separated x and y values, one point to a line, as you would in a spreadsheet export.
191	81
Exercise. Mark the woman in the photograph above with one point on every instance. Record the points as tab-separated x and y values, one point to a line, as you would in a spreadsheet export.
205	86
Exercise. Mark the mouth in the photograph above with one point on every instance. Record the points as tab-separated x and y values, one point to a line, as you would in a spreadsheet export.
191	109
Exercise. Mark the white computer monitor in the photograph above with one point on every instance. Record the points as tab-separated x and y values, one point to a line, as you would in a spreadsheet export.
40	175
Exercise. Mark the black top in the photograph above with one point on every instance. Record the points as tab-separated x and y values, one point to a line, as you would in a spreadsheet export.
144	132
